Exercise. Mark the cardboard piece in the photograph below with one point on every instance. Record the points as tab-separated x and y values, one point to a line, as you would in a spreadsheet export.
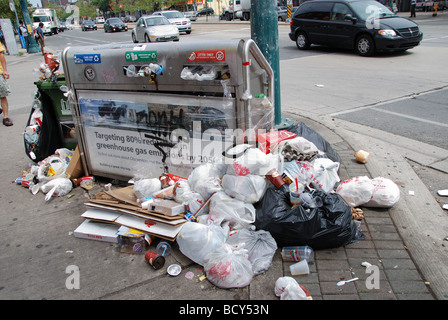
142	213
95	230
125	194
156	228
75	168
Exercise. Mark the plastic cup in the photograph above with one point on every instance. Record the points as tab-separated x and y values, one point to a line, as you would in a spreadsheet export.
294	194
299	268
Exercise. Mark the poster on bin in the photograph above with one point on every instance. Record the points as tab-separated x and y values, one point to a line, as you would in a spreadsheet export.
143	134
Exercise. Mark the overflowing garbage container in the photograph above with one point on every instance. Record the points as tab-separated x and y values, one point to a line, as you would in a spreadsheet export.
165	106
50	125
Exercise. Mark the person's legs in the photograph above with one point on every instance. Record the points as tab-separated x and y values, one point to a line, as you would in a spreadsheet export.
6	120
4	91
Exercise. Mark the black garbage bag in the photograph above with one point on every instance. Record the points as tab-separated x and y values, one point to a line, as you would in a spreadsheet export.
323	145
329	225
50	136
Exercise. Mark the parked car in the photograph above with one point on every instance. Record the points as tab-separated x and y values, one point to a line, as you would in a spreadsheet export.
88	25
191	16
131	19
154	29
99	20
206	12
282	14
176	18
366	26
115	24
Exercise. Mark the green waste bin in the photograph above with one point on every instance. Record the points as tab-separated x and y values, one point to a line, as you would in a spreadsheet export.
60	108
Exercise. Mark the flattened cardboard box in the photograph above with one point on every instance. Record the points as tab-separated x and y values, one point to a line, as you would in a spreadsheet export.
158	229
94	230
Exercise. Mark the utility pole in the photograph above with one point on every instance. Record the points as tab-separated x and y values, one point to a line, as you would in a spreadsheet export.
264	31
33	47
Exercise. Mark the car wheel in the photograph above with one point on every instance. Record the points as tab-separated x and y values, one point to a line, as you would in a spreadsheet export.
246	16
134	39
302	41
147	38
365	46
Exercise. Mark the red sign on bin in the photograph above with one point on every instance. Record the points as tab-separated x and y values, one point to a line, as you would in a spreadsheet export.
208	55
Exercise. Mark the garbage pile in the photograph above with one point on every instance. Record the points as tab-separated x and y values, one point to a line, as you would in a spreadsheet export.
231	217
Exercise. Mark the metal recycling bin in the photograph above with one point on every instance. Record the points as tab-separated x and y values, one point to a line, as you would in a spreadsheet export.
151	108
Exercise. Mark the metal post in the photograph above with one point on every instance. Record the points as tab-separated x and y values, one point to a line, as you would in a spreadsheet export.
264	31
33	47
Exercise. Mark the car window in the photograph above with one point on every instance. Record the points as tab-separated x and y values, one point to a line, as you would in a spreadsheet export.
158	21
173	14
339	12
314	11
365	9
114	20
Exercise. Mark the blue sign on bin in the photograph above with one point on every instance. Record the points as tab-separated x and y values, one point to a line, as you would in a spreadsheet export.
87	58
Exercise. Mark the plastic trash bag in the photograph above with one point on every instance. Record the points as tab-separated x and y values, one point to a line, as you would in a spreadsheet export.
260	246
196	240
287	288
356	191
325	175
385	194
302	170
248	188
225	208
249	162
144	188
51	168
329	225
228	268
57	187
325	148
205	179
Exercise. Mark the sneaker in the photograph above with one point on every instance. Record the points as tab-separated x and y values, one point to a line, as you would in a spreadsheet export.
7	122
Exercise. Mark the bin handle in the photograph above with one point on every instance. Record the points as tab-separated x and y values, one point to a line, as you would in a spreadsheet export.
251	46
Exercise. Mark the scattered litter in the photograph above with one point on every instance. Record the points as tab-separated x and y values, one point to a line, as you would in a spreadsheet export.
366	264
443	193
411	193
319	85
445	206
287	288
343	282
362	156
174	270
189	275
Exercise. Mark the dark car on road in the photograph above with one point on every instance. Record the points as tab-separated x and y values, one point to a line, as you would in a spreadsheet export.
205	12
366	26
115	24
88	25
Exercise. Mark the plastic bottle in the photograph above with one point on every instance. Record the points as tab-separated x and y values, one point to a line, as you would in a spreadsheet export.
298	253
